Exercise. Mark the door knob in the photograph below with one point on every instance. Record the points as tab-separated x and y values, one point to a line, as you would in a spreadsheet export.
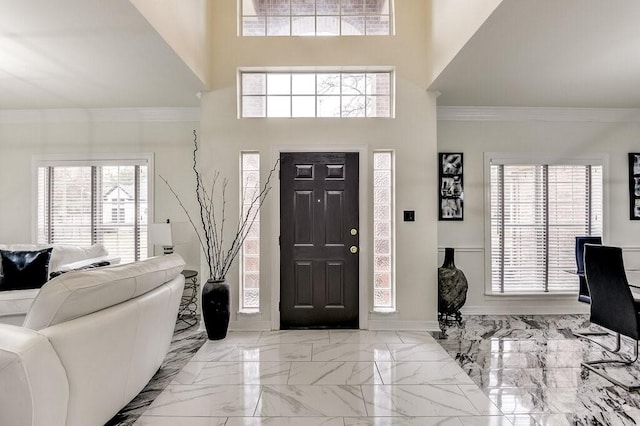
354	231
353	249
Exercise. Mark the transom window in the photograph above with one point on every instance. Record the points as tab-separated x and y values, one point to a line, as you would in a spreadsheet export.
316	17
537	210
85	202
327	94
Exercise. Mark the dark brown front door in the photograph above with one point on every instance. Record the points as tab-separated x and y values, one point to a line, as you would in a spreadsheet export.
319	238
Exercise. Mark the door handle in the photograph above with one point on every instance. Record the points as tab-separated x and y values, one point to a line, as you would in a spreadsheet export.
353	249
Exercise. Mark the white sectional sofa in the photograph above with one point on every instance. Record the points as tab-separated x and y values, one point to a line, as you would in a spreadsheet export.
91	341
14	304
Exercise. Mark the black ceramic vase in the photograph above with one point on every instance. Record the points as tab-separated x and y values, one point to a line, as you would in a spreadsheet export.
452	288
215	308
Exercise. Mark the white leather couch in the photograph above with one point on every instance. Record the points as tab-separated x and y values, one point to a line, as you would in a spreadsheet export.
91	341
14	304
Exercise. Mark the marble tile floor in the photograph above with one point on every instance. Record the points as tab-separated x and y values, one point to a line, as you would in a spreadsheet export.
493	370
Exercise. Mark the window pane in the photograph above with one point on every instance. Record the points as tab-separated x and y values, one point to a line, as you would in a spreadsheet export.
254	106
328	25
328	84
303	84
303	26
278	26
278	106
352	25
254	84
352	7
302	7
327	7
353	84
328	106
304	106
278	7
353	106
278	84
254	26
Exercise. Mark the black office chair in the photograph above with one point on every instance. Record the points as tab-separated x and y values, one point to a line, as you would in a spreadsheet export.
612	306
583	290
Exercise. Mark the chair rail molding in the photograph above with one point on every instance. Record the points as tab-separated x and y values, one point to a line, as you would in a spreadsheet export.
487	113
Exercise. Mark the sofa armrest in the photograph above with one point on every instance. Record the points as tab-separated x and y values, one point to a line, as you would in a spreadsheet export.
35	390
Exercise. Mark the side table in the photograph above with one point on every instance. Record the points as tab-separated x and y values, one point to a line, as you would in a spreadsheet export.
188	310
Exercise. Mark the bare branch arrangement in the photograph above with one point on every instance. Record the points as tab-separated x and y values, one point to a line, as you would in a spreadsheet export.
219	253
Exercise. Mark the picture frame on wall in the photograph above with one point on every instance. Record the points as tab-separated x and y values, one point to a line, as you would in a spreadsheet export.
451	186
634	185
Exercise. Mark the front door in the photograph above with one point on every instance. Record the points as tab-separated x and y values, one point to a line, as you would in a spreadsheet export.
319	237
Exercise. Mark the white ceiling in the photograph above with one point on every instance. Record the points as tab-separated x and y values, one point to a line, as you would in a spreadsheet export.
87	54
550	53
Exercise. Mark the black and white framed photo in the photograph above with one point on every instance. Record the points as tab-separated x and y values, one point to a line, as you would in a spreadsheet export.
634	186
451	190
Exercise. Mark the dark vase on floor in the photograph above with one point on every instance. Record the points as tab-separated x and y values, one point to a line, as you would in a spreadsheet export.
452	288
215	308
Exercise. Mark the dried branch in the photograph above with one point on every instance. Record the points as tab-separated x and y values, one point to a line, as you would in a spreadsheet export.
211	236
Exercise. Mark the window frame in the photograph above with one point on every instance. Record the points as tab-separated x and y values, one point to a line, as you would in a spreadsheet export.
241	281
290	16
91	159
524	158
392	232
390	71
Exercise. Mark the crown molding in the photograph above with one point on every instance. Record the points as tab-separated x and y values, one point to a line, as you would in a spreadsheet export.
99	115
483	113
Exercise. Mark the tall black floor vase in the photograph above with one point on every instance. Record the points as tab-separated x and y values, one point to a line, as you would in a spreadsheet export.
215	308
452	289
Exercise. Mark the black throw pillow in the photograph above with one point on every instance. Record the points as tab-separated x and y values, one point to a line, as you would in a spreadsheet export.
91	266
24	270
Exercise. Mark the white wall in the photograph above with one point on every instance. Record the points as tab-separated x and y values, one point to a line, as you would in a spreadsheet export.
411	134
23	135
540	136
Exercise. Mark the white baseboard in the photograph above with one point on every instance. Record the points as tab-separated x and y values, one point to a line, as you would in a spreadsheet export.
526	310
386	325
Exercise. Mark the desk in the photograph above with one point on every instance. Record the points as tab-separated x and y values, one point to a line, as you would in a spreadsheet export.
188	310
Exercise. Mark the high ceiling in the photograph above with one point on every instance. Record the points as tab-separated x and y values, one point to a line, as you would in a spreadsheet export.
549	53
103	53
87	54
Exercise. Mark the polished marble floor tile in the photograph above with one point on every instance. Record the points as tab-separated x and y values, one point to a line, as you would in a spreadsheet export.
234	373
304	400
418	352
363	336
351	352
417	400
415	337
285	421
294	336
402	421
254	352
206	400
334	373
180	421
422	373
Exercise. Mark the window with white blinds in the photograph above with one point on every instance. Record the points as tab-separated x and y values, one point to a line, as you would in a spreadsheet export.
537	210
89	202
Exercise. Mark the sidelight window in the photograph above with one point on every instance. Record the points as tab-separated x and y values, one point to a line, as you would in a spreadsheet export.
316	17
250	253
383	231
83	202
536	211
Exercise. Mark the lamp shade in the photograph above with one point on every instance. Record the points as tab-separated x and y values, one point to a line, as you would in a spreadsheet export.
160	234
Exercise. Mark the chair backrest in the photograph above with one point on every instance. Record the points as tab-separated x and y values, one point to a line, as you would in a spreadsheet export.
580	242
612	304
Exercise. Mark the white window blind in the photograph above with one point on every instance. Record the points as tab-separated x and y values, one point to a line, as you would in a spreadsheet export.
537	210
84	204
